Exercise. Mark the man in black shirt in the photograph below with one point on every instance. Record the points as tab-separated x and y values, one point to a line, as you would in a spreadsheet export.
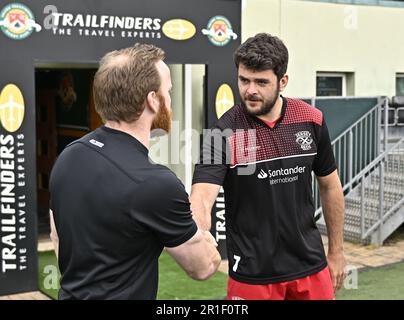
112	209
263	152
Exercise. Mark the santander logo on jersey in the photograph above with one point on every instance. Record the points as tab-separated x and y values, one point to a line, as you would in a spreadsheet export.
262	174
281	173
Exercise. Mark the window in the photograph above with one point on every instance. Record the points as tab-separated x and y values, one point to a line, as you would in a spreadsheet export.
400	84
330	84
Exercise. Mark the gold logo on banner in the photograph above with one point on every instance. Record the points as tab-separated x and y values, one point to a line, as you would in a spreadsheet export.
11	108
179	29
224	99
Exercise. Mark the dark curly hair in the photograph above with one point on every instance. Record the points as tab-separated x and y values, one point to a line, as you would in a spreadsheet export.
263	52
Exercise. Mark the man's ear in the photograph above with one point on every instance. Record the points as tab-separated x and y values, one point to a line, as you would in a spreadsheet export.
283	82
152	101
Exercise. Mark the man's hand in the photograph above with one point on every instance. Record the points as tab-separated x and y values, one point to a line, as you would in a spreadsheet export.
332	200
336	265
209	237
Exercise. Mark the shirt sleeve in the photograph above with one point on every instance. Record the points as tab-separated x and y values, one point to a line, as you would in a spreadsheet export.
214	159
163	207
324	161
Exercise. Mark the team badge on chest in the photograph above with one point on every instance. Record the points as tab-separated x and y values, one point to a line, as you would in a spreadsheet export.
304	139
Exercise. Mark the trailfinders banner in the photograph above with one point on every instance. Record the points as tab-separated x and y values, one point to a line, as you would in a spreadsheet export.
81	32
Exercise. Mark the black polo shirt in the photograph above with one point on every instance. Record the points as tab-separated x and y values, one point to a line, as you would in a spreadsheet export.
271	235
114	212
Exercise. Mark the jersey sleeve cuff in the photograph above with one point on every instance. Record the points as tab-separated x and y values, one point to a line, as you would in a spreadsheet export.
207	178
326	172
188	235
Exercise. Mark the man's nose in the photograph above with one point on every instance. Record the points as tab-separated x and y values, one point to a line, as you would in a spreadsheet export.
251	89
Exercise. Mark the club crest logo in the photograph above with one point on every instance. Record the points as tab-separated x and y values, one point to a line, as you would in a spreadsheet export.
304	139
11	108
17	21
219	31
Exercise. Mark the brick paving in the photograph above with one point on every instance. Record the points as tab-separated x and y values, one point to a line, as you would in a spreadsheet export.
36	295
360	256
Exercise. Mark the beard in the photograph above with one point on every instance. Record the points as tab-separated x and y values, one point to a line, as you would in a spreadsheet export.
162	122
267	104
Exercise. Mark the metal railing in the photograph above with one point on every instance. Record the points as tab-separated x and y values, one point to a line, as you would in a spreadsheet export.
355	148
381	188
371	172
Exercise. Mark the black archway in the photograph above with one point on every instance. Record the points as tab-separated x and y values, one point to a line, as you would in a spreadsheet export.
80	32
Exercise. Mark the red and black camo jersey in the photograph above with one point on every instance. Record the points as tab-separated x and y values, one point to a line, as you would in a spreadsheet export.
271	234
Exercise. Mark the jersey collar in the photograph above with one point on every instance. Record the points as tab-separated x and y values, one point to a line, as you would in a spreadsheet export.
127	136
278	122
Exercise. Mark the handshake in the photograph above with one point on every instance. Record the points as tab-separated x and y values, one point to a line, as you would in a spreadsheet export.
210	238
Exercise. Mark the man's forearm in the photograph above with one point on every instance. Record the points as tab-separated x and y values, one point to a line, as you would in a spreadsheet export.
202	198
200	212
332	200
53	234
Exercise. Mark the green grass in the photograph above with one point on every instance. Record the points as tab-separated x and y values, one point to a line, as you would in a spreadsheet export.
47	282
384	283
173	282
